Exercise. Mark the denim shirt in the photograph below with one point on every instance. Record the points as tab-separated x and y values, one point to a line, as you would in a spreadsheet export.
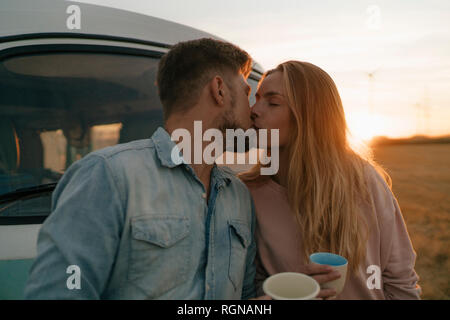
139	226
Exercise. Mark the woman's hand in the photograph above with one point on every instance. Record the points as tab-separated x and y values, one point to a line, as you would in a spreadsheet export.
322	274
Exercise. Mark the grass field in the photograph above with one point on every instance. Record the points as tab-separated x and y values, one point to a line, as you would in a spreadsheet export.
421	183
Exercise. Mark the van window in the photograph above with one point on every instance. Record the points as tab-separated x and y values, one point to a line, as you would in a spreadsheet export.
57	107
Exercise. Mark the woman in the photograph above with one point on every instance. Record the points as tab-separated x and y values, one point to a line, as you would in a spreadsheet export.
325	196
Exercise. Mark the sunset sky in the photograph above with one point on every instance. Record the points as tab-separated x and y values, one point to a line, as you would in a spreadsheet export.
406	43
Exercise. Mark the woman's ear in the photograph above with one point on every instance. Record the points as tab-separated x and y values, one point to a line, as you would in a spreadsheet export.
217	89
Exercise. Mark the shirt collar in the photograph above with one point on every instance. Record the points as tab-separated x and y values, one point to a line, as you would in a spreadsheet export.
221	176
164	146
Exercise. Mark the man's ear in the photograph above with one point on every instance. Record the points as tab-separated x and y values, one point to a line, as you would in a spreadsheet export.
217	88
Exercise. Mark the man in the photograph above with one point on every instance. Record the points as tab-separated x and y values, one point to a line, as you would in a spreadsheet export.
130	222
133	224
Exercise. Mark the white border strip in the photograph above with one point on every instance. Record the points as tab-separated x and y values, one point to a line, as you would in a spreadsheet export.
18	241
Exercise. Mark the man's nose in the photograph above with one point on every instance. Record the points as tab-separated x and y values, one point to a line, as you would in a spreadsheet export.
254	111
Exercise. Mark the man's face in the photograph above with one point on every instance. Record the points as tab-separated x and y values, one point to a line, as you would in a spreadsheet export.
237	114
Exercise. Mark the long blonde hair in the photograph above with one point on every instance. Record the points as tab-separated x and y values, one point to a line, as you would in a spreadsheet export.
326	176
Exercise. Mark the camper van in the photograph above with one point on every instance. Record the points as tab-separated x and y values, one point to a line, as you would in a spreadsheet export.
74	78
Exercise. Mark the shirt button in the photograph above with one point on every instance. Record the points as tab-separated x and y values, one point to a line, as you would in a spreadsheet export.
204	195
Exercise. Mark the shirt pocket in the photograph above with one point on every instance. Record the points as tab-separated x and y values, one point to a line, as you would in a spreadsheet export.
160	253
240	239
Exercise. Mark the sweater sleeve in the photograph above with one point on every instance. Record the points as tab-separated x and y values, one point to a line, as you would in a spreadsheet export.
397	255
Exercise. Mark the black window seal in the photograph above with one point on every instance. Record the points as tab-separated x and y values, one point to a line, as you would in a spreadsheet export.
22	220
54	35
259	73
75	48
256	78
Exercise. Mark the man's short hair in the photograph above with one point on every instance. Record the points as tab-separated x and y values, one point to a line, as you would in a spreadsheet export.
188	66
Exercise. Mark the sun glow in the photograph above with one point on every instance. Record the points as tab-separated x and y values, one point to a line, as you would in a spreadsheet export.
364	126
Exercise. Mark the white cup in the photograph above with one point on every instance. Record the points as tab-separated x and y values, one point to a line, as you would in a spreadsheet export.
338	263
291	286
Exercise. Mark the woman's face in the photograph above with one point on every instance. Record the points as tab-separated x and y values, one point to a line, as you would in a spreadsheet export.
271	110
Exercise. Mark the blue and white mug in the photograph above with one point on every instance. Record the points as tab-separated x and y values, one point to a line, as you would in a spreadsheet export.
338	263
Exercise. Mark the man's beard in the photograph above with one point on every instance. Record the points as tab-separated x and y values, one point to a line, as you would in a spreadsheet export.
229	121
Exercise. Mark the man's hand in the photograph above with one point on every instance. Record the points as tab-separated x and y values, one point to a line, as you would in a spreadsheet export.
322	274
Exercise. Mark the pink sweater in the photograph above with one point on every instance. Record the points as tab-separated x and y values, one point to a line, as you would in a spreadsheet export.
388	247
